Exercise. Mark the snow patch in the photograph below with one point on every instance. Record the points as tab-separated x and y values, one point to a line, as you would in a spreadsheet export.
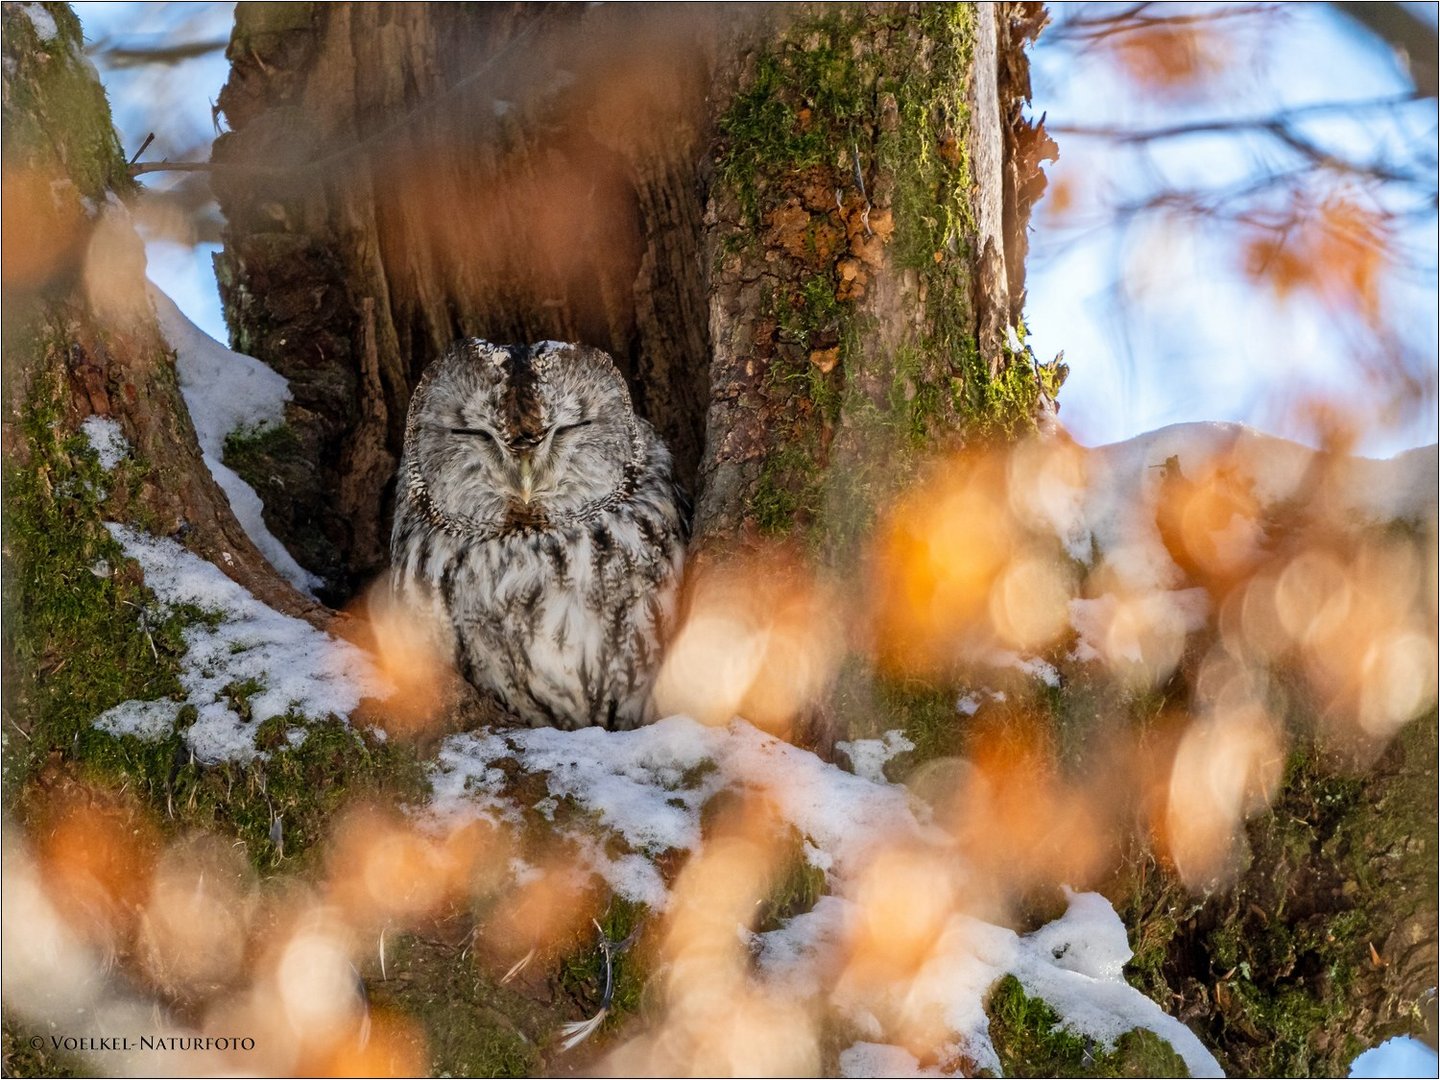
228	392
648	787
106	439
225	391
1075	964
1117	510
42	21
285	664
868	757
1036	668
1089	938
151	720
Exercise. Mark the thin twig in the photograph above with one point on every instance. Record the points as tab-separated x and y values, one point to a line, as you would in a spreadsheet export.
143	147
191	166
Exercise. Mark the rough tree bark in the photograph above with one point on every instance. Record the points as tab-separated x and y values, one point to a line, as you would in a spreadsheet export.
801	233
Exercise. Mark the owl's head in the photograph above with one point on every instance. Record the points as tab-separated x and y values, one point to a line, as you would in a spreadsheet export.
522	433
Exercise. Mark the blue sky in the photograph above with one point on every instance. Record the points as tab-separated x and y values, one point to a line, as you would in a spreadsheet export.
1200	341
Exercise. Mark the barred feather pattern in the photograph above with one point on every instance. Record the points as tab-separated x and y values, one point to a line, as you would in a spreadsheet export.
538	520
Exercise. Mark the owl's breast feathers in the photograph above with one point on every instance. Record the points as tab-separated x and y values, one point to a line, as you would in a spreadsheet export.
561	620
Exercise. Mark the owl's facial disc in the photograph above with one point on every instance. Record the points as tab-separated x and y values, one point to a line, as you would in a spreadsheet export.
522	432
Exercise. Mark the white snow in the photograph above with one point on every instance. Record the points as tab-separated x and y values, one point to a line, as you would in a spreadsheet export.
293	668
1110	521
1075	964
647	787
1117	511
41	20
227	392
869	756
106	439
1034	666
1089	938
145	719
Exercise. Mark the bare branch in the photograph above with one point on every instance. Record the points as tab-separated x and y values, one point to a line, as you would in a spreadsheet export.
126	56
1415	41
185	166
1280	126
1228	124
1091	28
143	147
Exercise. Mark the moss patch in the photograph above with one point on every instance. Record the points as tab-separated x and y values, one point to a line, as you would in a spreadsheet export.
252	454
473	1026
794	888
81	630
1029	1040
83	634
57	119
1291	962
21	1059
583	970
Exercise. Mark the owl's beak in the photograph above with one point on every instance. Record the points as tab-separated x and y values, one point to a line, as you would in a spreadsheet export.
527	479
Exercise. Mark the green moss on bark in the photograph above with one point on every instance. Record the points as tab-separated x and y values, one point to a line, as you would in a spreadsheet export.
78	634
57	119
84	634
852	115
1030	1041
1292	964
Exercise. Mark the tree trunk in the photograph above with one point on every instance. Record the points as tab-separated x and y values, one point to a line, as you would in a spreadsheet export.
518	174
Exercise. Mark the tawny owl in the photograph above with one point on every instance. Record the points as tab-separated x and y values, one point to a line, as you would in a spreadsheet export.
537	515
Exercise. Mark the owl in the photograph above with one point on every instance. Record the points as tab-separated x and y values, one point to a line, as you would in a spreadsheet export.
538	521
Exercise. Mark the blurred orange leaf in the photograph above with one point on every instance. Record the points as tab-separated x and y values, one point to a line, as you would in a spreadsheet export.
1338	252
1172	58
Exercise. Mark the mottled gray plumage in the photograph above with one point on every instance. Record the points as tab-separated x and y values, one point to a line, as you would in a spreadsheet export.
536	514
